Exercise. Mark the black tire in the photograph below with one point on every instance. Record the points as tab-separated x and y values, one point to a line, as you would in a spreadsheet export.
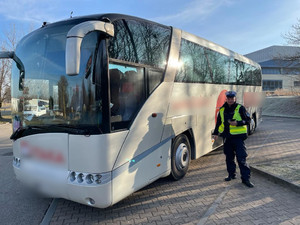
251	126
180	157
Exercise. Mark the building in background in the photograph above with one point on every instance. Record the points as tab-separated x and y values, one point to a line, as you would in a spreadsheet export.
280	67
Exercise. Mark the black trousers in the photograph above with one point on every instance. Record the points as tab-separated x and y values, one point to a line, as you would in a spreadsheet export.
236	147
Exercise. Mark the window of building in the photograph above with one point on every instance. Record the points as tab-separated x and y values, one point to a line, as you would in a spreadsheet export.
271	85
294	71
296	83
271	71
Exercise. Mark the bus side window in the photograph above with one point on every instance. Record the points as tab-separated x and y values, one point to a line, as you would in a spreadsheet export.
129	94
115	78
155	77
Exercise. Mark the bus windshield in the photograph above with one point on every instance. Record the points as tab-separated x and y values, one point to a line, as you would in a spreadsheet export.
47	96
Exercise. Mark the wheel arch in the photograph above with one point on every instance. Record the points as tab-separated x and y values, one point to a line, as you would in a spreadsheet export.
182	146
190	135
251	129
254	118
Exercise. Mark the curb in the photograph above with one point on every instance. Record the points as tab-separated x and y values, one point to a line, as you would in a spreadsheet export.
276	179
281	116
50	212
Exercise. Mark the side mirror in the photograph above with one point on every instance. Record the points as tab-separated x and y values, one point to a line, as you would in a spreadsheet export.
12	55
74	39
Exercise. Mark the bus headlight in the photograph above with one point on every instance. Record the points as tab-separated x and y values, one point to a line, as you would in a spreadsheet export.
80	178
89	178
98	179
16	162
72	176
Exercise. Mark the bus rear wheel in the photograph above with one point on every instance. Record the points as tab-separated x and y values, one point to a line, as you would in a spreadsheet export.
180	157
251	126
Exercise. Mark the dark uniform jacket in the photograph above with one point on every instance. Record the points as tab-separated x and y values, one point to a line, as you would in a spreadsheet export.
228	114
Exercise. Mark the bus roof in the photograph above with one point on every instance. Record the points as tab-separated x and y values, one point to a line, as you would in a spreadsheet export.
191	37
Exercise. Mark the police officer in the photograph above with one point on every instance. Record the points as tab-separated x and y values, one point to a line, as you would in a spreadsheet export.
232	124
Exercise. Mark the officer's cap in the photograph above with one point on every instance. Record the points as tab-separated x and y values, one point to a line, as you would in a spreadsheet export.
230	94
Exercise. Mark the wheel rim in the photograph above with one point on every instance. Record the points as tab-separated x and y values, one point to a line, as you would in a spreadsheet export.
182	156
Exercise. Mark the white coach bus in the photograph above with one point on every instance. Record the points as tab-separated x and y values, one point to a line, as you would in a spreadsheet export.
129	101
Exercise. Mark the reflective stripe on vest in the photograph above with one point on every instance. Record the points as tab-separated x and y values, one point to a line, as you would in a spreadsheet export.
233	129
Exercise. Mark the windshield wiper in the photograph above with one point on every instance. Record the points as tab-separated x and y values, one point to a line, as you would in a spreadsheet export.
62	128
19	132
67	128
78	129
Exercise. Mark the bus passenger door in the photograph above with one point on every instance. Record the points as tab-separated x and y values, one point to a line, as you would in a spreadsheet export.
127	94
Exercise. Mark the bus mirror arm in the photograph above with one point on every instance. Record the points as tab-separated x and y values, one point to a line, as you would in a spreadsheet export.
74	39
20	65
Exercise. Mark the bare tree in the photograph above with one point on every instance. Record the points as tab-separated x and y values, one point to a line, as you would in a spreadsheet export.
290	62
293	36
5	67
7	44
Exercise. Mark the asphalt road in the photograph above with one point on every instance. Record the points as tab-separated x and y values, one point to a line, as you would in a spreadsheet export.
18	205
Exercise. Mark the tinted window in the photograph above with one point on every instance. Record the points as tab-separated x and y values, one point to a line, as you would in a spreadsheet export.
127	93
121	45
151	42
218	66
202	65
140	42
154	79
67	99
193	66
256	80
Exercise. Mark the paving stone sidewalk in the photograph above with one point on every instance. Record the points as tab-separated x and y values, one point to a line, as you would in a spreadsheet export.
279	156
202	197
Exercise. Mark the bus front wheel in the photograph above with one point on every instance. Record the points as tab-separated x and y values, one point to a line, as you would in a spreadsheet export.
180	157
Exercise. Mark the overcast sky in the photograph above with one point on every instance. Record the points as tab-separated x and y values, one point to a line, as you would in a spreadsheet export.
243	26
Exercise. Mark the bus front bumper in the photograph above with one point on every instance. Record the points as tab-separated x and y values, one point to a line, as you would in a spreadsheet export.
57	183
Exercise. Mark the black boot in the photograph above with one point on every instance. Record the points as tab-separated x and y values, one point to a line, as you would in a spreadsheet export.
230	177
248	183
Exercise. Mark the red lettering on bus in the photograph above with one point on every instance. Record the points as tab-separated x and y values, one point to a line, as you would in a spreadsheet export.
220	102
41	154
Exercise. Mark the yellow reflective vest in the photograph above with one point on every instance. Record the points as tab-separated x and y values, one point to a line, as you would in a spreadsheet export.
233	130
